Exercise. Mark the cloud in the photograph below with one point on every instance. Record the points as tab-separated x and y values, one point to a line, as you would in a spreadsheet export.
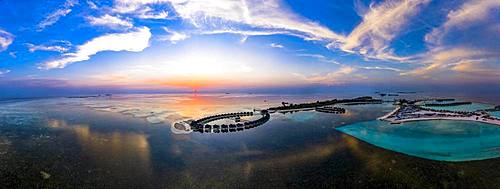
56	15
92	5
478	67
468	50
3	71
6	39
173	36
380	68
56	48
110	21
134	41
244	32
439	60
53	18
140	9
211	15
381	24
275	45
149	13
360	8
335	77
468	14
319	57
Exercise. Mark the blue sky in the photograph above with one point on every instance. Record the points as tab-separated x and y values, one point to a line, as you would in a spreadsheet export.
158	44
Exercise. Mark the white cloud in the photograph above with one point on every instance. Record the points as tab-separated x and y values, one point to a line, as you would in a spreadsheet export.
134	41
244	32
2	71
173	36
335	77
56	15
243	38
110	21
176	37
320	58
479	67
469	13
275	45
56	48
140	9
471	56
6	39
13	54
438	60
148	13
360	8
380	68
92	5
264	14
381	24
53	18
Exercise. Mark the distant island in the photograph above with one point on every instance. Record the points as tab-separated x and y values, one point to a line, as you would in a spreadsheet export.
289	106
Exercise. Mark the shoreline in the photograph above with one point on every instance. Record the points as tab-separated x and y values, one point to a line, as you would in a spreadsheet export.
390	113
492	122
436	116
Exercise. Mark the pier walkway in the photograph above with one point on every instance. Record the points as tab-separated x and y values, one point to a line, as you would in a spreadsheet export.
202	125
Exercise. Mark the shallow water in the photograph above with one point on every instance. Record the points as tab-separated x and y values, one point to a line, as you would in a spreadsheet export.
126	142
436	140
466	107
495	113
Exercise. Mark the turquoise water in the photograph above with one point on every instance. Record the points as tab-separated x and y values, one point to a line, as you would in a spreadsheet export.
495	113
468	107
436	140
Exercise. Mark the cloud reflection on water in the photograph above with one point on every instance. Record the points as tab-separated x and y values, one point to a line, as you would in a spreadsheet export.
114	150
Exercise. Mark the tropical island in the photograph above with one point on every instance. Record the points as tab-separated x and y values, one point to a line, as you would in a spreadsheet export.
312	105
447	104
409	111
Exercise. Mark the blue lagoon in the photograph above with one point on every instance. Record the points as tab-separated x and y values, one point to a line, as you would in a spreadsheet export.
466	107
442	140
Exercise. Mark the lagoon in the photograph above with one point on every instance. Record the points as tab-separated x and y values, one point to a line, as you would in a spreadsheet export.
466	107
441	140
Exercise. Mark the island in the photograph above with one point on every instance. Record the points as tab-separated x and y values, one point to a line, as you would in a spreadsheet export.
408	111
312	105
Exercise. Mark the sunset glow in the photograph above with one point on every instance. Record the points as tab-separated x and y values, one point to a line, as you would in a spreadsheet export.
249	94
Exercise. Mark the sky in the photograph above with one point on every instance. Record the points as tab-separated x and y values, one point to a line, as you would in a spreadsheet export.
214	44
